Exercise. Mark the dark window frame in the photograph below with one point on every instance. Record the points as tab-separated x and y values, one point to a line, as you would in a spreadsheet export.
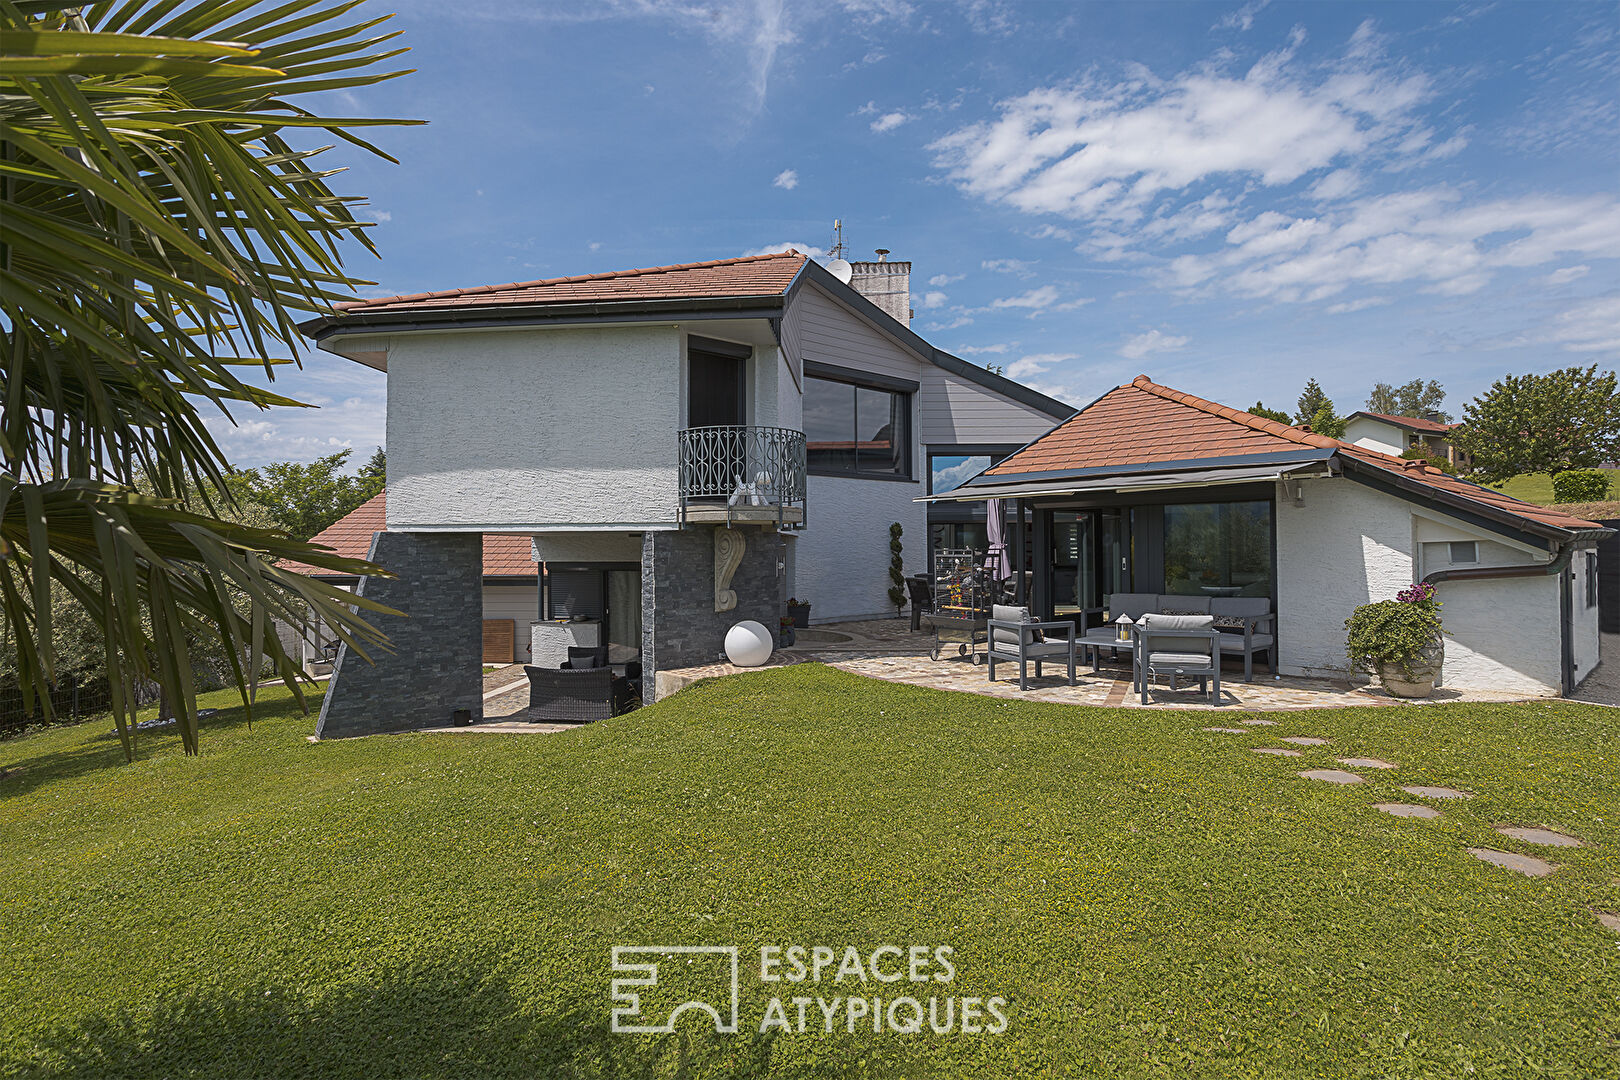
902	388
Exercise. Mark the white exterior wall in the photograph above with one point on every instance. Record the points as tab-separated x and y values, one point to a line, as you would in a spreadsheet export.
506	430
587	547
841	561
1376	435
1351	545
521	604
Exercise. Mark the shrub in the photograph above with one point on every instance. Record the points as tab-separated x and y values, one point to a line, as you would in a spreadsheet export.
1393	631
897	570
1430	456
1580	485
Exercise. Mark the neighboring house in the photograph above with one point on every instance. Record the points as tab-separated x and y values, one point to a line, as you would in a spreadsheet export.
687	446
1151	490
510	587
1395	435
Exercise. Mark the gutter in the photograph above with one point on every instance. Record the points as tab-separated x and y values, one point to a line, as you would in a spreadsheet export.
1557	566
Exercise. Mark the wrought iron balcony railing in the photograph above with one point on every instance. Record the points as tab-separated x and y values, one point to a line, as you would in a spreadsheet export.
749	473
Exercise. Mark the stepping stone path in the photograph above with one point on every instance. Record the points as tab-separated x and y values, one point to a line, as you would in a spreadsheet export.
1406	809
1524	864
1609	919
1538	836
1305	740
1279	751
1332	776
1365	762
1436	792
1259	723
1228	730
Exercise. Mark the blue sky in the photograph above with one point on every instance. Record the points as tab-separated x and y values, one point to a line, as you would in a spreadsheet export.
1231	197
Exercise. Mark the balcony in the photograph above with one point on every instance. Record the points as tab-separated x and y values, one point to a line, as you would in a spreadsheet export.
742	476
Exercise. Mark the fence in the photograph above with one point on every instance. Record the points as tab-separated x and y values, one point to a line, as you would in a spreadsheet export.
69	704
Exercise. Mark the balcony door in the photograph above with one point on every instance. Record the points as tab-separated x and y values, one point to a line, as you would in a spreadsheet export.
716	384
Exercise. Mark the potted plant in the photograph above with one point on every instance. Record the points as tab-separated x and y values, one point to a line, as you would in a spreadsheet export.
799	613
1399	640
785	637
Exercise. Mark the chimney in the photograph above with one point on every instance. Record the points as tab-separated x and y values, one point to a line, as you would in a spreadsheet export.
887	284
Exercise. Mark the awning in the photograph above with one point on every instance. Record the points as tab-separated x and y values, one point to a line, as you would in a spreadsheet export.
1123	484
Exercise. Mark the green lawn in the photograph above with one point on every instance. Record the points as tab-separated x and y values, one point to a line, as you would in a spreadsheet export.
1151	899
1537	487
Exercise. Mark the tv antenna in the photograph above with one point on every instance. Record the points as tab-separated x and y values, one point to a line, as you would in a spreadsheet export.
838	266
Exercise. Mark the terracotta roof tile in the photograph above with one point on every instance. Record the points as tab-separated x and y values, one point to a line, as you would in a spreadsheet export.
1411	423
753	275
505	554
1143	423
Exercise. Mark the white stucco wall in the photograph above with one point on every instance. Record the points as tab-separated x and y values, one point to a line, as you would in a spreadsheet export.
587	547
841	560
1375	435
1351	545
500	430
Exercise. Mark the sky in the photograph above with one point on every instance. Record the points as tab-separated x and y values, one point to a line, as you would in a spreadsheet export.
1230	197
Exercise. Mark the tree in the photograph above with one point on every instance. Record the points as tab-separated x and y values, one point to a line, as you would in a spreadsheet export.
1415	399
375	471
1316	411
158	230
1566	419
305	499
1259	409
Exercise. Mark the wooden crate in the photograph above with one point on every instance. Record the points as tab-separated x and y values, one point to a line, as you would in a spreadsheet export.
500	636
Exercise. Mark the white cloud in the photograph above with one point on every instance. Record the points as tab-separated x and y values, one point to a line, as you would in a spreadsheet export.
1036	299
954	324
1357	305
930	300
1150	342
380	215
1035	363
1007	266
595	245
1593	326
1242	18
803	249
787	180
1336	185
1429	238
980	350
1108	152
1566	274
349	400
945	279
889	121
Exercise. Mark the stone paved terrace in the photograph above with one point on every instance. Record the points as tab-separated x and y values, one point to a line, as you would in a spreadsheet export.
887	649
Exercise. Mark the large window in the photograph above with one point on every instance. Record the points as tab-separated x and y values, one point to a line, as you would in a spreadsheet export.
853	430
1218	549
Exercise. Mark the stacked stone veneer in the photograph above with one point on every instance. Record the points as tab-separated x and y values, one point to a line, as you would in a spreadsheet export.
435	666
679	626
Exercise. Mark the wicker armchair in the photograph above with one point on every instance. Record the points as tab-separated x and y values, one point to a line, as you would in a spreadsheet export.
569	695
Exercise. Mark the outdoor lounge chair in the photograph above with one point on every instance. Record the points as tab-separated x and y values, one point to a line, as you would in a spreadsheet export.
574	695
1178	646
1014	636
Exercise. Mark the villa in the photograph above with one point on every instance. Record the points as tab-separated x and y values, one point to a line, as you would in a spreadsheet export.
685	447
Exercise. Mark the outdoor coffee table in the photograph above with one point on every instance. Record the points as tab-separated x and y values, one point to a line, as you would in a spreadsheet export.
1097	640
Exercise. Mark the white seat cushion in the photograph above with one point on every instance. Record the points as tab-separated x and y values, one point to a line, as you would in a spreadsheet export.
1178	659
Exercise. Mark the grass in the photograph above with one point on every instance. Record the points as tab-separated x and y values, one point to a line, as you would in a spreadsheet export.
1537	487
1151	899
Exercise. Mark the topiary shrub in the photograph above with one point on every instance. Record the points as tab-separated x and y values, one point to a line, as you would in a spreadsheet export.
1580	485
1396	632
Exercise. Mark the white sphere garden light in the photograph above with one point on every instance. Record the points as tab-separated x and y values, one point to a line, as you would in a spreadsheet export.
749	644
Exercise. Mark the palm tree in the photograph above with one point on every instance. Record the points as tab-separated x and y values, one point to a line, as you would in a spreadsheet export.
162	219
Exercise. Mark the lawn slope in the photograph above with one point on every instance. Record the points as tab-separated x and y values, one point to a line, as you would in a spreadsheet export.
1152	899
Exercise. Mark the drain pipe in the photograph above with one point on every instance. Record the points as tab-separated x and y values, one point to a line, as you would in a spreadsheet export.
1566	648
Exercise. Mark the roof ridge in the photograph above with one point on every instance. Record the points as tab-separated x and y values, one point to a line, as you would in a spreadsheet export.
606	275
1237	416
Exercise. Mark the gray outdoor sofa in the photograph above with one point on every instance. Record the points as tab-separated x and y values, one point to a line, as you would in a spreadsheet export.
1246	621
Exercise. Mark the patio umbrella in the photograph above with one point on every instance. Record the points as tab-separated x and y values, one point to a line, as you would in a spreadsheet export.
999	562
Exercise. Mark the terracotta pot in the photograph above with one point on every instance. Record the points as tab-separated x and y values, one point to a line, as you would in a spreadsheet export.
1425	668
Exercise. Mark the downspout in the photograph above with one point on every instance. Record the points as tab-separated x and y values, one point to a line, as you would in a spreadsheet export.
1566	647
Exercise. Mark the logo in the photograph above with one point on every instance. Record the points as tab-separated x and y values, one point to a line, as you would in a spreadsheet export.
675	969
814	989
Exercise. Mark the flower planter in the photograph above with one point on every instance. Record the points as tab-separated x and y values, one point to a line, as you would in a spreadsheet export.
1424	668
800	614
